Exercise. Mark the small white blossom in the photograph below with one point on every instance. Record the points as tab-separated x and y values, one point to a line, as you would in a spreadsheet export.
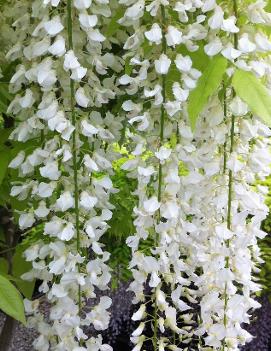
173	36
54	26
65	201
50	171
162	64
154	35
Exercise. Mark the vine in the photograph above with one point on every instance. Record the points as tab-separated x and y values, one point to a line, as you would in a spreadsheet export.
146	85
74	146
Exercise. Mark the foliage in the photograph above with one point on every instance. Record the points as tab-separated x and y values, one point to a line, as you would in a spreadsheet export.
121	224
10	300
207	85
254	93
10	293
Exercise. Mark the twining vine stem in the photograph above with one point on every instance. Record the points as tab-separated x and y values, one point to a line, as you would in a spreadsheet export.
230	184
74	145
160	171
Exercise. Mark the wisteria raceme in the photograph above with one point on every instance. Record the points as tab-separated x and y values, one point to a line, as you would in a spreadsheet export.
60	91
161	77
231	152
210	233
94	73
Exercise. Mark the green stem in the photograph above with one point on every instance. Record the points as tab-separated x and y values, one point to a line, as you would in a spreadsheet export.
225	119
74	146
230	184
163	112
235	10
160	171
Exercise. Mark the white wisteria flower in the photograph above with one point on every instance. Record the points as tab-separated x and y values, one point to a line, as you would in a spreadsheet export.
162	64
154	35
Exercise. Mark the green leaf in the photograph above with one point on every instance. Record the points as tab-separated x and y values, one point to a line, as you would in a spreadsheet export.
21	266
172	76
128	67
11	301
147	48
5	97
113	25
254	93
3	266
4	134
199	58
4	162
207	85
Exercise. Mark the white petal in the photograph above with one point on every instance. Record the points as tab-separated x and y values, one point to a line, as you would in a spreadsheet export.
46	189
78	73
96	35
173	36
104	182
65	201
139	329
54	26
214	47
137	316
67	233
26	220
58	291
50	171
81	98
163	153
231	53
215	22
154	35
58	47
151	205
155	280
228	25
88	129
106	347
245	45
183	63
87	201
18	160
42	211
88	21
57	267
82	4
90	164
27	100
40	48
162	64
70	61
262	42
179	93
238	107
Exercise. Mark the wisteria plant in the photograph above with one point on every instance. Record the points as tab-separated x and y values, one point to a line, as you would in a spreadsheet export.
174	96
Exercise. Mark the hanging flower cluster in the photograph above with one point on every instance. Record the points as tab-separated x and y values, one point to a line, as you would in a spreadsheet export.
198	213
230	153
60	87
221	238
158	85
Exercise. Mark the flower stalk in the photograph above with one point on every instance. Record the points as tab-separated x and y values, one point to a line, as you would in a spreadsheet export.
160	170
74	145
230	183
